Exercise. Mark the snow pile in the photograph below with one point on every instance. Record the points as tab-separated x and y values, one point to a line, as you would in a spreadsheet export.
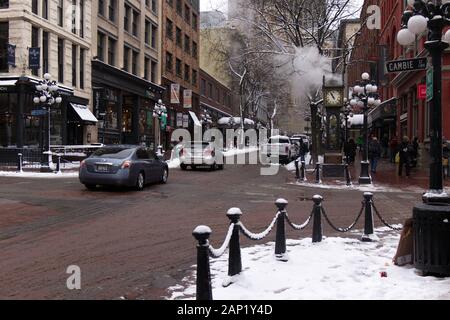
174	164
336	269
38	175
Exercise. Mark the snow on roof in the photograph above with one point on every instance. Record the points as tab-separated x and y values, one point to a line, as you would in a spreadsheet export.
280	138
235	120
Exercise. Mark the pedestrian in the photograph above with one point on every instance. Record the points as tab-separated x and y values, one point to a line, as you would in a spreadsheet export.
393	148
415	152
350	151
405	151
385	146
374	153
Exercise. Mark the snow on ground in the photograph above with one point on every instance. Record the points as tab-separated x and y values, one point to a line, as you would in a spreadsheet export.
38	175
233	152
336	269
174	164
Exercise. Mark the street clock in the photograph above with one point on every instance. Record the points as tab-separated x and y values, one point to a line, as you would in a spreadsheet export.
333	97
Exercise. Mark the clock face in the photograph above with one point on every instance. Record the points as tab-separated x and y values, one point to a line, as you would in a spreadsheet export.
333	98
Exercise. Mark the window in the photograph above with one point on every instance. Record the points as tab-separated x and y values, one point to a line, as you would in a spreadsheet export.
169	29
187	44
134	62
34	6
126	54
60	60
60	13
194	21
4	36
111	51
100	46
179	40
82	59
194	49
146	67
126	18
154	36
147	31
154	6
81	18
179	7
101	7
203	87
74	16
187	73
154	70
112	10
45	46
170	3
187	14
178	68
194	77
169	62
34	44
45	9
74	65
135	23
210	90
4	4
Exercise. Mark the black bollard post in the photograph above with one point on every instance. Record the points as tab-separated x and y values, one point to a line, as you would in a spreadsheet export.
318	174
297	170
204	289
368	225
234	261
19	163
303	171
58	164
347	175
317	225
280	242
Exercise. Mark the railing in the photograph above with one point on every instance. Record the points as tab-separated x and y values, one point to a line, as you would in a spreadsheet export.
232	241
300	172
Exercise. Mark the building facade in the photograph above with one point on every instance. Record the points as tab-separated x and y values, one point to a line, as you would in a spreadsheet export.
126	70
56	34
180	68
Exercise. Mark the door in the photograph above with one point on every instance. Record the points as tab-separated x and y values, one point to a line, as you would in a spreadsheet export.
156	167
143	162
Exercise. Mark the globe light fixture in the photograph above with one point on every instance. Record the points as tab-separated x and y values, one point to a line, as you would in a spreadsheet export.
365	76
47	76
44	86
36	100
353	102
417	24
58	100
39	87
43	99
411	3
405	37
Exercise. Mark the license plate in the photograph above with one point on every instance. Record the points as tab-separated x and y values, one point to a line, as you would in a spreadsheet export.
102	168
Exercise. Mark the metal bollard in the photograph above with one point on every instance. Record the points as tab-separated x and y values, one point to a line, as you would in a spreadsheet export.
317	225
318	180
204	289
19	163
280	242
58	165
347	176
368	224
303	171
297	170
235	261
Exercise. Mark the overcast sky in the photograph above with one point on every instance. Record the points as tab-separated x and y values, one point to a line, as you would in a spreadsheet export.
207	5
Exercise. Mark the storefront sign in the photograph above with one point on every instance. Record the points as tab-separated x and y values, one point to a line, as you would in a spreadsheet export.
175	93
406	65
179	120
38	113
185	121
11	55
422	91
187	99
34	58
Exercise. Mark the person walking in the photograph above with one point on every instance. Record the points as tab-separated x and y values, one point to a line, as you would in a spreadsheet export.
374	153
350	151
405	157
393	148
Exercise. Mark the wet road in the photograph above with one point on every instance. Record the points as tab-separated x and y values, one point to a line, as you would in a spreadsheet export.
136	244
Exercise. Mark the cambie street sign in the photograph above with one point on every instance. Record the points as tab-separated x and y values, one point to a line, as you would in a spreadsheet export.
406	65
38	113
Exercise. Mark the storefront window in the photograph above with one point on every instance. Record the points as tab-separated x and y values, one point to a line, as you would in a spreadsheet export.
56	127
32	124
111	116
8	105
127	119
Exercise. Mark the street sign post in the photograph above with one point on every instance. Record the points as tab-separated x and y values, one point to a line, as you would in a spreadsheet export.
406	65
38	113
430	85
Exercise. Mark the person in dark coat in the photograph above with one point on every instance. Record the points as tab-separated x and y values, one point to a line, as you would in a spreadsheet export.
374	154
350	151
405	151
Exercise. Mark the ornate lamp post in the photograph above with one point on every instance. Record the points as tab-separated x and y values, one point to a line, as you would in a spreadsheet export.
47	95
160	113
431	228
206	119
365	96
347	112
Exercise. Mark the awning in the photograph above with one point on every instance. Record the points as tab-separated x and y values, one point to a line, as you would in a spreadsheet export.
194	117
7	83
84	113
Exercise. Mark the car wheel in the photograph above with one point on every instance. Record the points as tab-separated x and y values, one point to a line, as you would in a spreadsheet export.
91	187
183	167
221	166
165	176
140	181
213	167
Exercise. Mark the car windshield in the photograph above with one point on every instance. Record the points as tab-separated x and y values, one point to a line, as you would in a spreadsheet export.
113	153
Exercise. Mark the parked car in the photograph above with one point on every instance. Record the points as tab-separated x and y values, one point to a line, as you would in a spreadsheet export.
201	154
281	147
123	166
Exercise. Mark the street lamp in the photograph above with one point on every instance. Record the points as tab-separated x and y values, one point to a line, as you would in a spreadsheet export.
206	119
365	96
347	112
431	248
47	95
160	113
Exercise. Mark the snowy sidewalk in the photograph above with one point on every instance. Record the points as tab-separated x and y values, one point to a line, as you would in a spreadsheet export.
336	269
